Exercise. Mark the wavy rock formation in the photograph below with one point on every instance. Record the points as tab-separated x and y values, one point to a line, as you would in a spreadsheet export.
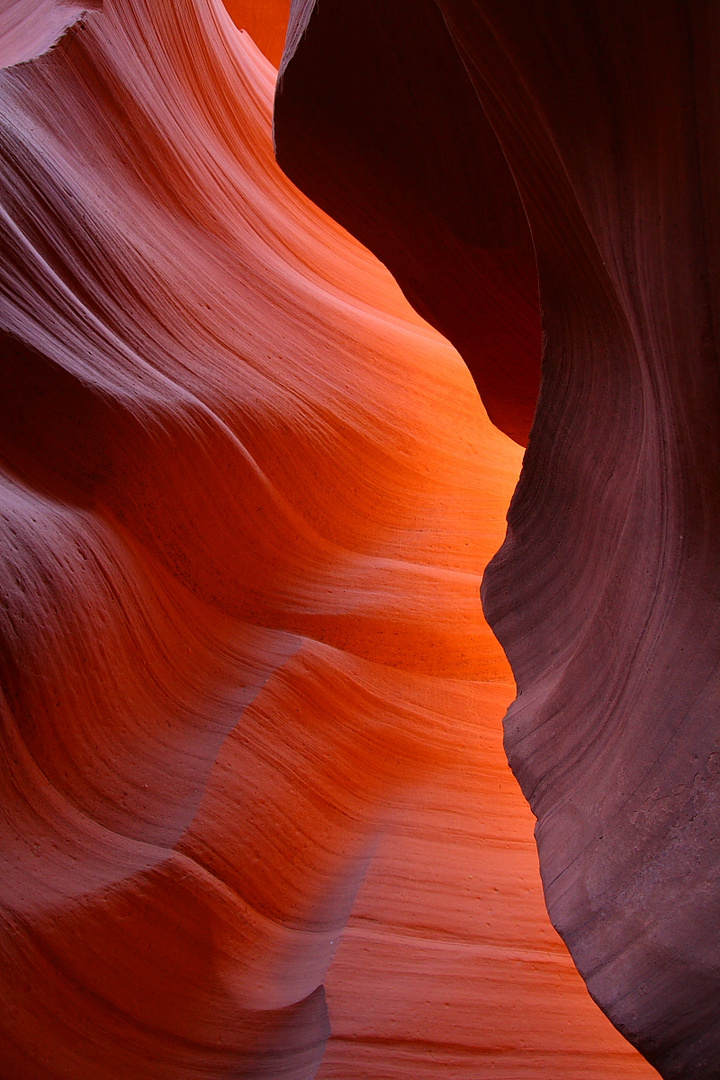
404	157
605	593
449	966
247	496
28	28
220	473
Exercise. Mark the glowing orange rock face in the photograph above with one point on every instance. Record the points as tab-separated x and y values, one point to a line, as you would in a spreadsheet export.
605	592
265	21
247	496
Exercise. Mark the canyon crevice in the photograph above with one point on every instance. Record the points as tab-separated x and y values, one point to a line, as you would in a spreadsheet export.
256	819
605	592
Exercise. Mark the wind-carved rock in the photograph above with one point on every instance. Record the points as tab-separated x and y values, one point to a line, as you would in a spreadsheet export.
605	593
239	579
28	28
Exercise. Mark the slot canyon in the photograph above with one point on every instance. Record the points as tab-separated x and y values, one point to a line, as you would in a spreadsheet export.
359	450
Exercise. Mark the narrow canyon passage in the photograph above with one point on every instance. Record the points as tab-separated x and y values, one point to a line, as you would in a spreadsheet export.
443	135
257	820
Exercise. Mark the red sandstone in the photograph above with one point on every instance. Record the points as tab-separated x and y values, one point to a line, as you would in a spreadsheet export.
247	499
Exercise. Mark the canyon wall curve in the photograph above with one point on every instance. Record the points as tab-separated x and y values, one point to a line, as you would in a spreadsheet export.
605	592
249	696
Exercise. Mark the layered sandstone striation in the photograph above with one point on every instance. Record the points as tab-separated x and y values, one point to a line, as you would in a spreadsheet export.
605	593
28	28
240	566
247	497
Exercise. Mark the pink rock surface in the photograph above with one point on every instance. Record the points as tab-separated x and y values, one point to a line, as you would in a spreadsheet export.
247	497
605	591
29	28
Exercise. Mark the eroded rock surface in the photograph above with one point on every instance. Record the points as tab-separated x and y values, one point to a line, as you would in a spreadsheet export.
237	556
222	543
605	593
28	28
246	500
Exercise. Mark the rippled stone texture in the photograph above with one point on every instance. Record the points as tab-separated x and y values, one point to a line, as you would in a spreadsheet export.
29	28
605	593
246	496
237	555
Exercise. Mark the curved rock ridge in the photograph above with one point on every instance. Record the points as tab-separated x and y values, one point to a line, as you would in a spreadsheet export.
246	498
377	121
605	593
29	28
266	22
614	733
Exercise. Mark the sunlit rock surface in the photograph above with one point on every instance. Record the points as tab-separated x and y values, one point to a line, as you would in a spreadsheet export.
247	498
605	593
266	22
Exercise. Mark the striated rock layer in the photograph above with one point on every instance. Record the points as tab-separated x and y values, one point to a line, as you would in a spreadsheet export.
449	966
605	593
29	28
247	495
225	562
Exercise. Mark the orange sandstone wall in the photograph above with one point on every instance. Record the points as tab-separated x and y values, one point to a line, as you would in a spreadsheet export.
265	21
247	498
605	591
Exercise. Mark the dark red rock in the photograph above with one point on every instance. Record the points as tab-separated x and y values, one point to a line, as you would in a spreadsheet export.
376	120
605	593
